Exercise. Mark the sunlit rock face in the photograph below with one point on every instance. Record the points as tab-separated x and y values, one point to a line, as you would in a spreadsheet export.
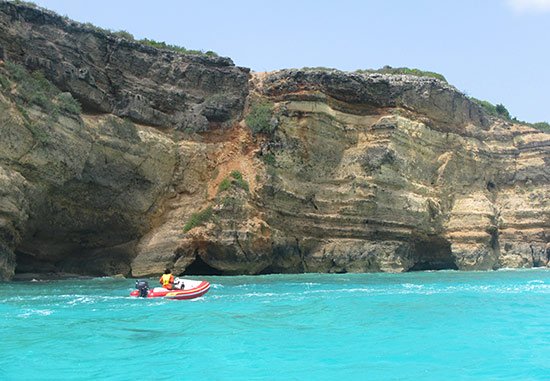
357	173
398	173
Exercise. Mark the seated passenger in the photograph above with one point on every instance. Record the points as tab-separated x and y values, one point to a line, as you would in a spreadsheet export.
167	279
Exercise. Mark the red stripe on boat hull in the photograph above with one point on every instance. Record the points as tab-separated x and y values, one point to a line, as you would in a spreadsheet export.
191	293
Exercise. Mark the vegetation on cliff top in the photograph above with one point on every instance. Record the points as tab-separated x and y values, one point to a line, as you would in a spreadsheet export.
403	71
149	42
27	3
543	126
155	44
500	111
175	48
127	35
387	70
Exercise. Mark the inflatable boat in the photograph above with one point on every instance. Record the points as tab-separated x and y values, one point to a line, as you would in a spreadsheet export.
191	289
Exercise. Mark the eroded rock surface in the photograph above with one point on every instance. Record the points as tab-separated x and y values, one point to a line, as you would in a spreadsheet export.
109	74
375	175
360	172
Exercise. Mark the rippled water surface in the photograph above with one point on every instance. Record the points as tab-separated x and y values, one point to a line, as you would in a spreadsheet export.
414	326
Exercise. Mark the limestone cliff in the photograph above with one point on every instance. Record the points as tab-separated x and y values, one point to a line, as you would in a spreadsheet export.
401	173
356	172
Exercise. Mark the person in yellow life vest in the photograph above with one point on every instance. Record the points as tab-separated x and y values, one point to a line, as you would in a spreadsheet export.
167	279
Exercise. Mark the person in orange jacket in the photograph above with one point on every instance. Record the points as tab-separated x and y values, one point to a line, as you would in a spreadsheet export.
167	279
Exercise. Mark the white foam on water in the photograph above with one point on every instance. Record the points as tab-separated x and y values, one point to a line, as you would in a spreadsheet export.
29	312
413	286
81	300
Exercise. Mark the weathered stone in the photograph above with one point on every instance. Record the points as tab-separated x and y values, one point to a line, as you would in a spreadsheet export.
109	74
7	262
361	172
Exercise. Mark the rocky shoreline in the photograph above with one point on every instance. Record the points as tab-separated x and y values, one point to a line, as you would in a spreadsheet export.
167	163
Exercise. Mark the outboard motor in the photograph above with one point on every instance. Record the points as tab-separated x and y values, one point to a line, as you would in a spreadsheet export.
143	288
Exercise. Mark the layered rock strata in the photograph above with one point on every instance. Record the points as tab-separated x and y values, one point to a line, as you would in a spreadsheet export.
358	172
110	74
367	177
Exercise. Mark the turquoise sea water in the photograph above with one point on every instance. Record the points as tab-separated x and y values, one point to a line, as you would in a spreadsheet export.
414	326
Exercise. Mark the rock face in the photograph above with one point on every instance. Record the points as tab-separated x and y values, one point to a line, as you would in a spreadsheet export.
359	173
79	191
109	74
368	177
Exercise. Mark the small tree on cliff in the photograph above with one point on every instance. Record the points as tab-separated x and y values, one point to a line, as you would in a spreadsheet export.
502	111
259	120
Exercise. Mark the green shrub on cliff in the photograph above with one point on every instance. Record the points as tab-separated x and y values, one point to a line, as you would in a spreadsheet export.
5	83
487	106
68	103
124	34
498	110
96	28
259	118
27	3
236	179
224	185
239	181
232	203
237	175
198	218
34	89
269	159
501	111
543	126
145	41
175	48
403	70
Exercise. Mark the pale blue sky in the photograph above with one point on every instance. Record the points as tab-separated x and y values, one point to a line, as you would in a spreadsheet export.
497	50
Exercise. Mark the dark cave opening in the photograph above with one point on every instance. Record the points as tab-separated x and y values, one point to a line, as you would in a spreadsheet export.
27	263
200	267
267	271
433	253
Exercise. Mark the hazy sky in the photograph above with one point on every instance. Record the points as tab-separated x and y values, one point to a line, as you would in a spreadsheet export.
496	50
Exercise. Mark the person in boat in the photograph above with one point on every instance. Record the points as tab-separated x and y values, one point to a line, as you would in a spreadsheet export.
167	279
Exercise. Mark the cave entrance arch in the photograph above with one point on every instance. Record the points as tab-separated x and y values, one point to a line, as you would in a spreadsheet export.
432	253
200	267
